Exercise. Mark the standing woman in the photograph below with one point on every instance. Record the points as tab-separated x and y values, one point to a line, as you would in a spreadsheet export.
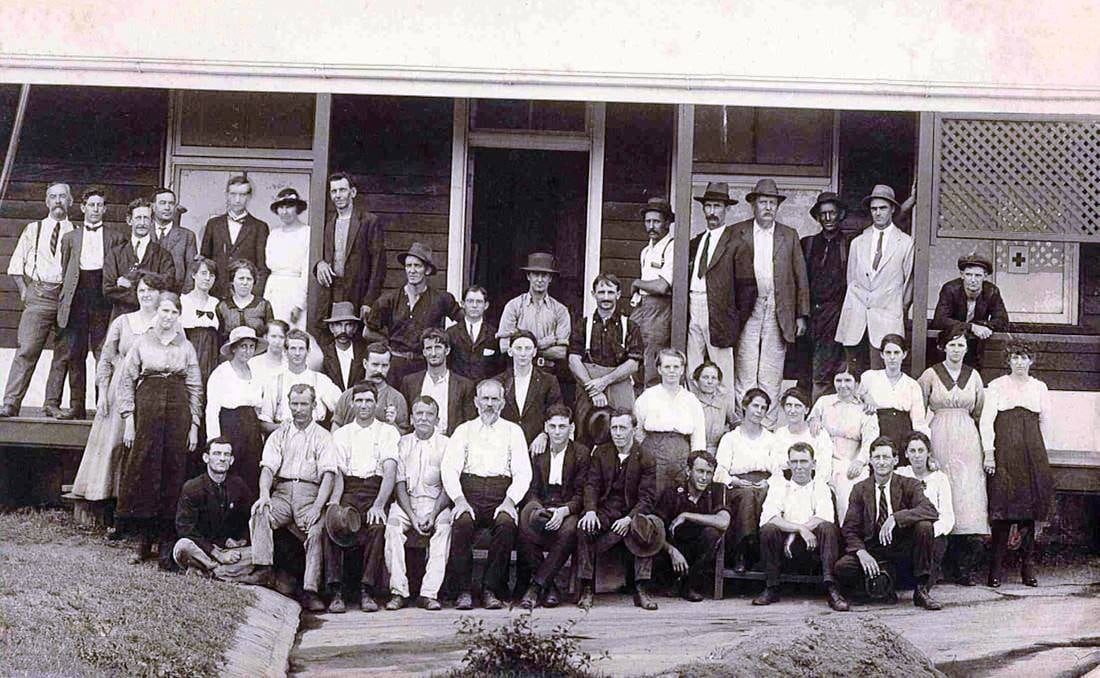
937	487
160	399
795	404
717	402
895	396
954	393
97	477
1021	488
242	307
233	399
671	422
851	430
744	464
288	259
199	316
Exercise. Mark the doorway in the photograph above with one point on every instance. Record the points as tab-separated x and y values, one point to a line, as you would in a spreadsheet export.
527	201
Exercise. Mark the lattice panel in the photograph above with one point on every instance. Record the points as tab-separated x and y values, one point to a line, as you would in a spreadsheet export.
1019	179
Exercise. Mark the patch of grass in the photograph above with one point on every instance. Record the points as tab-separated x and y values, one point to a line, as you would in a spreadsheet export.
71	605
517	648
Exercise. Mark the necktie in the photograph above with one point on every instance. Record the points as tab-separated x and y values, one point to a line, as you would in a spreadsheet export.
92	229
160	232
878	252
704	258
883	509
54	236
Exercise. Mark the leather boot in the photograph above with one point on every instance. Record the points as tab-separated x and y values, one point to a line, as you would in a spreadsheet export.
1000	545
1027	555
641	597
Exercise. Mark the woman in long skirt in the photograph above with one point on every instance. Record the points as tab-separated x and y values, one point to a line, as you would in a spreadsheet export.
895	396
918	448
671	422
234	396
1021	487
851	430
160	399
200	318
717	402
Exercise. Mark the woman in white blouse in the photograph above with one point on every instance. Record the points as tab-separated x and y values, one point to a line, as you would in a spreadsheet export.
895	396
272	361
1021	487
937	487
288	258
744	464
796	405
199	316
851	430
233	399
671	422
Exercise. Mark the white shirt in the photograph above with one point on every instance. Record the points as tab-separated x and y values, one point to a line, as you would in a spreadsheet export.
91	248
700	284
823	450
162	230
557	465
938	490
1004	393
419	465
340	243
523	383
657	411
276	394
345	356
496	450
656	259
438	390
33	257
763	244
360	450
797	503
889	497
739	454
904	395
473	328
139	245
234	226
886	234
226	390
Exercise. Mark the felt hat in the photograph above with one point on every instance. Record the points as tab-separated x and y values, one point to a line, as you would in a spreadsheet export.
342	524
975	259
646	536
598	425
240	334
341	311
883	192
658	205
879	586
533	519
288	196
421	252
824	197
540	262
716	190
765	188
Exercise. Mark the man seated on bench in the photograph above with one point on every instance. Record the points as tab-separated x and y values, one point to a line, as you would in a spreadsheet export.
486	471
697	516
549	518
796	524
618	505
212	515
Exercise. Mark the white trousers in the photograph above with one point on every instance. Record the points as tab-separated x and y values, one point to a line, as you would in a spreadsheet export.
398	525
699	347
760	355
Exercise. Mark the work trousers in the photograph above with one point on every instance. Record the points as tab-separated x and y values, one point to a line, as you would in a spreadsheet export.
484	495
38	319
699	546
589	544
289	501
699	346
359	493
761	352
912	545
653	316
772	540
398	526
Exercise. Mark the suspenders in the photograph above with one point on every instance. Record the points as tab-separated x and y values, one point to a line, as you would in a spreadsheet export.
588	334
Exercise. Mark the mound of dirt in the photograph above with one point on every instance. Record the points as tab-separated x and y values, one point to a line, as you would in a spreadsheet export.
820	647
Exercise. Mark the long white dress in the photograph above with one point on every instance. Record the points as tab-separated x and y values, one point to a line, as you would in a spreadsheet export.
852	431
288	258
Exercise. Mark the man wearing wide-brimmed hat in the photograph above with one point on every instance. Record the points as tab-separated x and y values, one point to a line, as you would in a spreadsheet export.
826	266
401	315
973	300
880	282
651	292
714	323
342	355
540	314
773	294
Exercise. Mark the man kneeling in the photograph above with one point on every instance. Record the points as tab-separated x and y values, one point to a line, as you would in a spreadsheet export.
697	515
212	516
796	522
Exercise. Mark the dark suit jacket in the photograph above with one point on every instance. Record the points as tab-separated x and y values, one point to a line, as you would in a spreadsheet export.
330	364
180	243
71	245
251	245
468	357
120	262
200	518
792	285
989	308
906	497
725	320
460	397
639	490
364	262
574	475
543	392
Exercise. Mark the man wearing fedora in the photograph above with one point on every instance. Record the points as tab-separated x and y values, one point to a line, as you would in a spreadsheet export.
880	282
177	240
212	514
366	453
973	300
619	497
391	407
452	393
475	350
352	266
553	505
540	314
401	315
342	355
826	254
714	322
773	293
236	235
651	292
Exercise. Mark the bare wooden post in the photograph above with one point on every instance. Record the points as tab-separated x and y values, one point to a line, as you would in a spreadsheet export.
923	218
318	198
685	139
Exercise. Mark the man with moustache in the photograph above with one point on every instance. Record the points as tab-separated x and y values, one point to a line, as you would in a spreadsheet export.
342	356
391	407
452	393
352	265
275	407
177	240
236	235
973	300
475	352
651	292
129	257
826	256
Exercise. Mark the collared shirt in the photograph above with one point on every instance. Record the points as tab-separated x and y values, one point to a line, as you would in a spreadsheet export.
33	256
151	355
344	356
402	324
361	450
656	259
234	223
163	230
821	443
340	243
473	328
276	394
139	245
419	465
658	411
763	247
738	454
700	284
797	503
889	497
388	396
546	318
91	247
886	234
294	454
523	385
438	391
557	465
496	450
676	499
602	342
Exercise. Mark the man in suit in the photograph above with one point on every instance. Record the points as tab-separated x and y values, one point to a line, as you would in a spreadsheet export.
826	256
212	514
973	300
128	257
83	312
352	265
528	391
236	235
179	241
551	510
452	393
35	266
772	285
889	522
342	356
475	351
714	322
880	282
651	291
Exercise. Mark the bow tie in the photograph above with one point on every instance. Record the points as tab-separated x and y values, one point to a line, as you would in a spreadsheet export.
237	220
93	229
205	314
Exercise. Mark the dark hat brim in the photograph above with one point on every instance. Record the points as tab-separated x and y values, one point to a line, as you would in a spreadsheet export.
751	197
981	262
816	208
428	263
646	548
538	269
654	208
343	537
342	318
866	202
707	197
297	202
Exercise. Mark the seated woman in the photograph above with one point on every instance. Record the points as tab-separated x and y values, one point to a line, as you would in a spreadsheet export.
234	395
851	429
796	405
718	404
918	448
744	466
242	307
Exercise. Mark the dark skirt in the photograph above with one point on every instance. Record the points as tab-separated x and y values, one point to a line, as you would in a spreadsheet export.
745	504
671	451
242	427
1022	487
205	340
155	467
895	425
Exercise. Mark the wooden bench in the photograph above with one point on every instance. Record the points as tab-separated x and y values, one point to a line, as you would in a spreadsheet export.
721	574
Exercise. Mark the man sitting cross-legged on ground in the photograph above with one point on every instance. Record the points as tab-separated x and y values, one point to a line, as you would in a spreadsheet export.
796	522
549	518
486	472
697	515
889	521
366	452
212	514
618	507
421	505
299	462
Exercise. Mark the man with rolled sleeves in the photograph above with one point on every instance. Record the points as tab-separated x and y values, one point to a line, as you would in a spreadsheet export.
826	256
651	292
540	314
973	300
486	472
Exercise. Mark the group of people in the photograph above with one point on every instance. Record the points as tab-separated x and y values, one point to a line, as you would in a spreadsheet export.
564	438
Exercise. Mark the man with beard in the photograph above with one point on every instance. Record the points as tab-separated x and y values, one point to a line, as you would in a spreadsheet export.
352	266
452	393
973	300
177	240
391	406
236	235
651	292
343	355
124	263
826	256
275	408
697	515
